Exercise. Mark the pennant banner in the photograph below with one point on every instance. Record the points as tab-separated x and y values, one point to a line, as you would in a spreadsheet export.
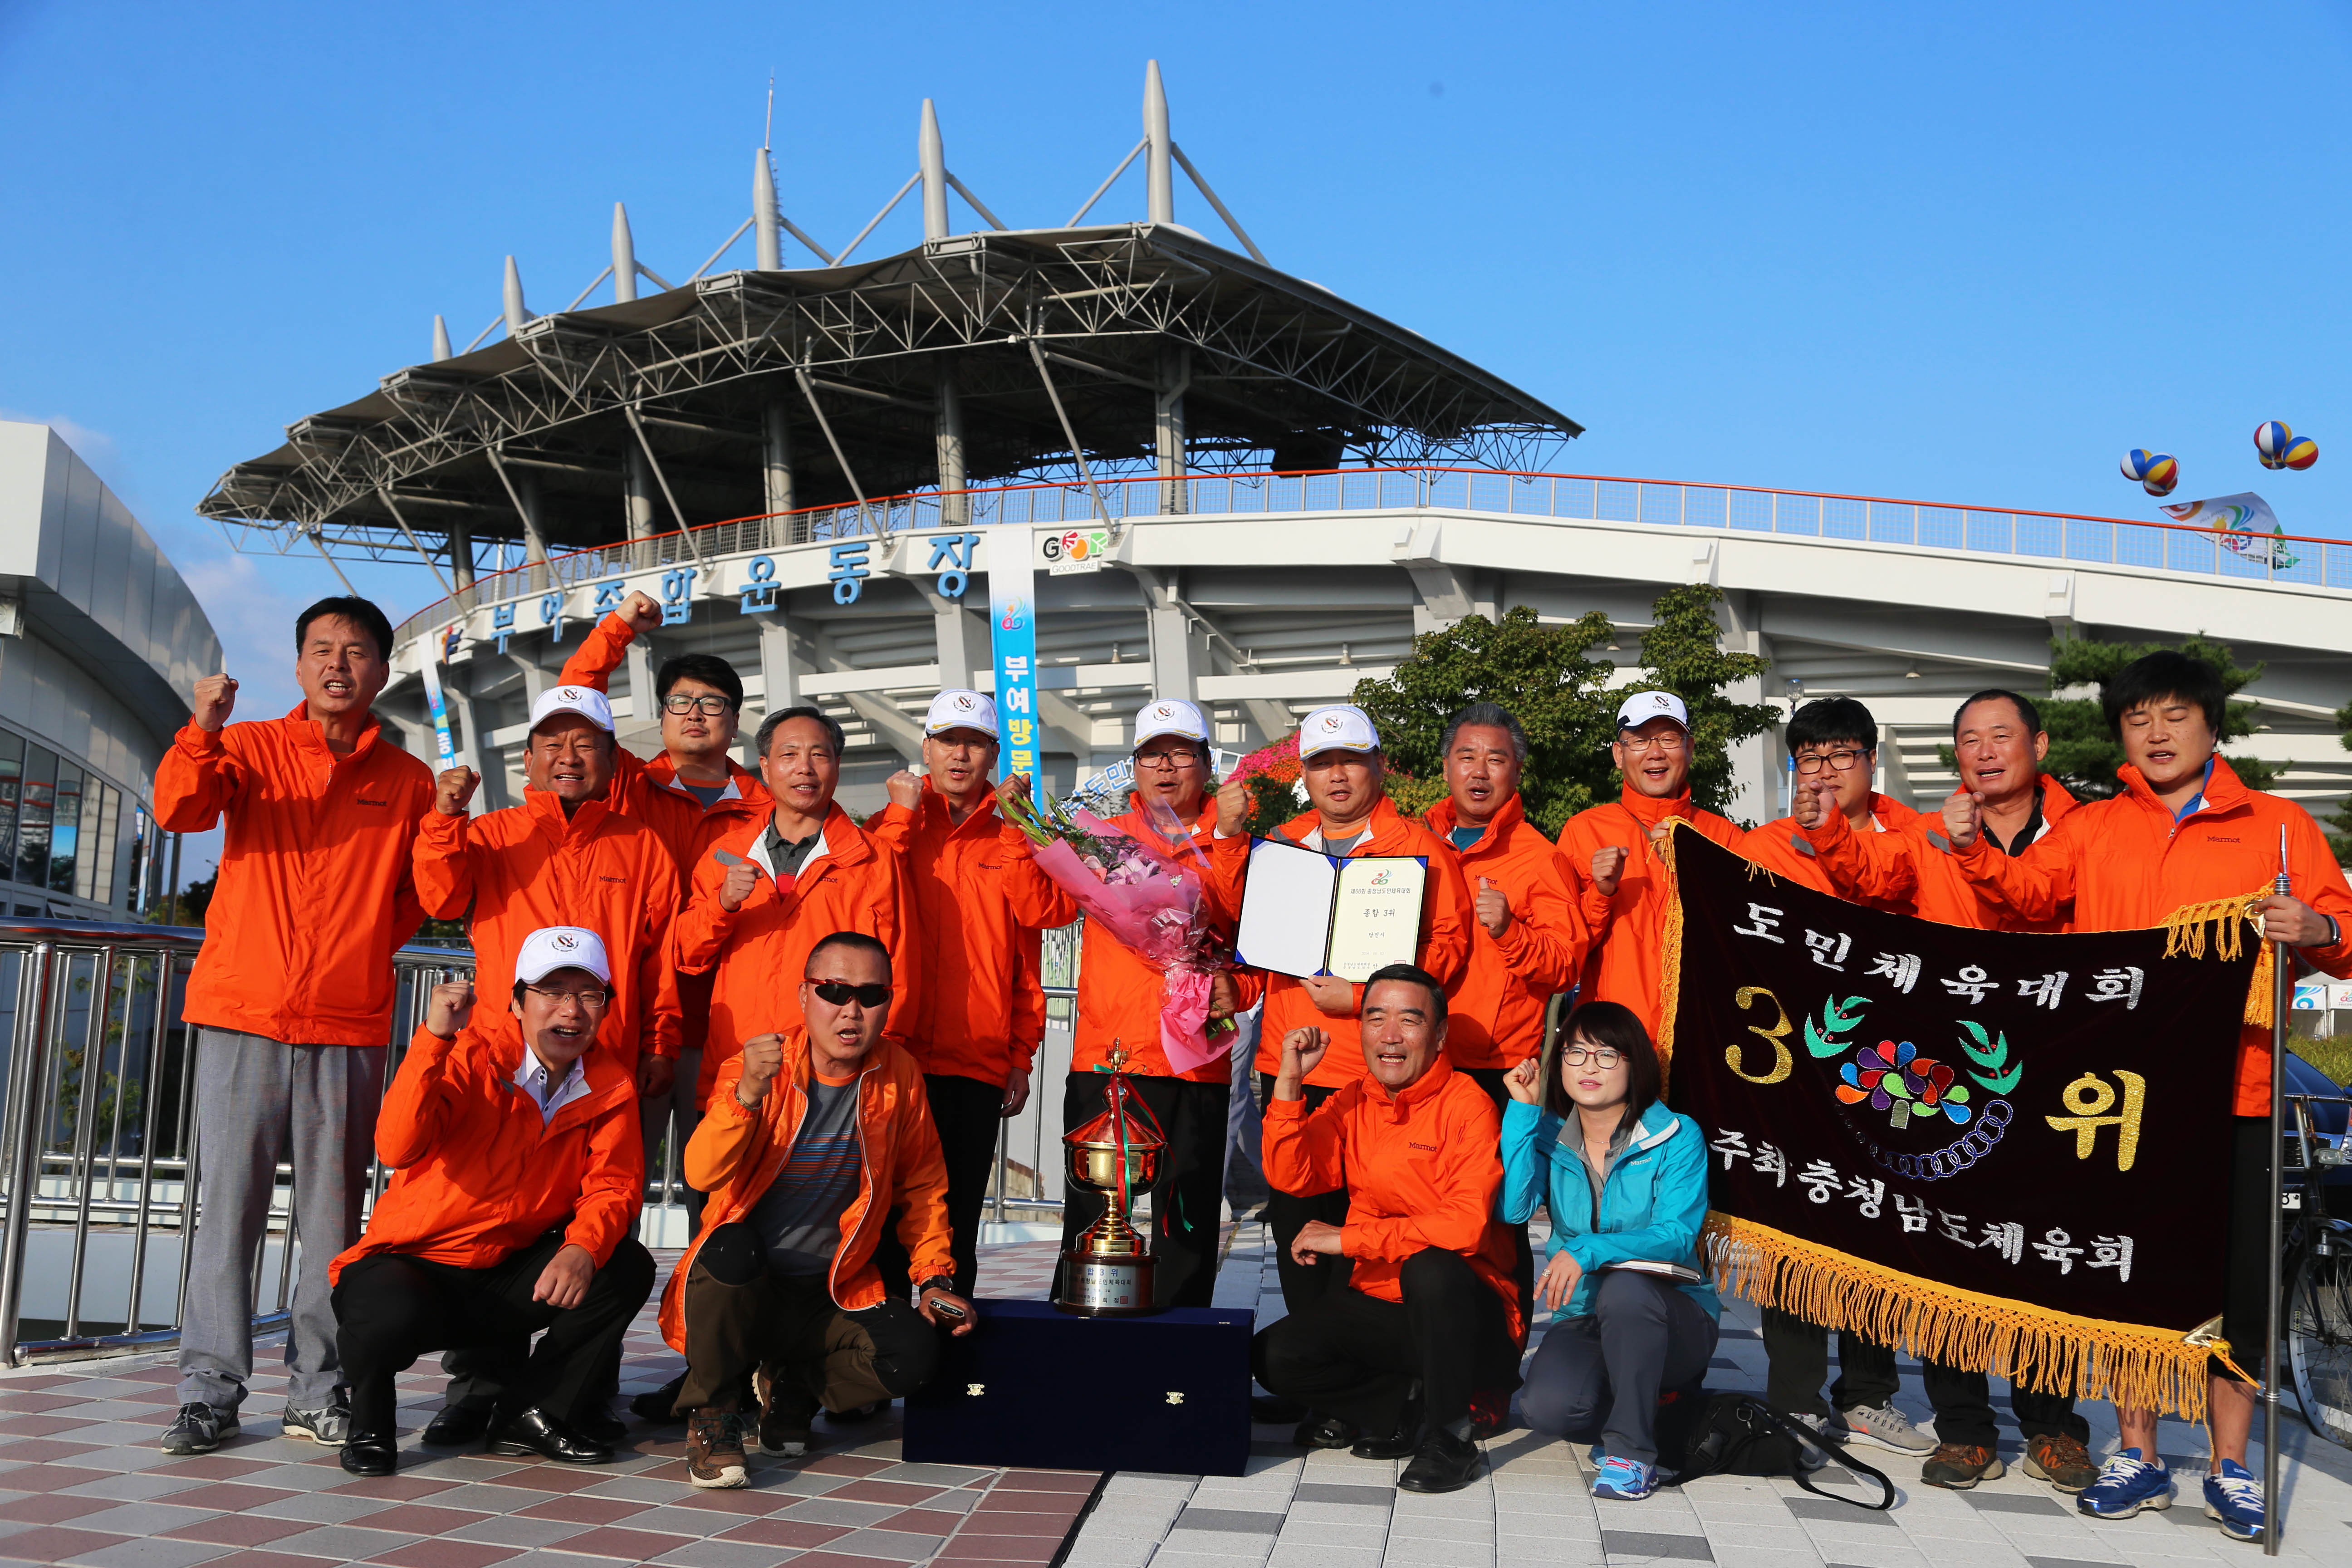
1997	1150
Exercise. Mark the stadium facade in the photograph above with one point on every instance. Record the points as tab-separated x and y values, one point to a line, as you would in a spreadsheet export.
1229	483
100	642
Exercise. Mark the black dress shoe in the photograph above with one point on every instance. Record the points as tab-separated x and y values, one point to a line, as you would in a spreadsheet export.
1274	1410
597	1423
458	1425
660	1405
1443	1463
534	1431
370	1454
1396	1444
1321	1431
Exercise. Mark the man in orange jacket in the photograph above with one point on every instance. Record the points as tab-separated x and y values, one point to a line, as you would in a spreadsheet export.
1430	1298
1623	885
517	1175
1909	869
1119	1000
970	1006
809	1145
692	794
2184	830
291	997
1349	815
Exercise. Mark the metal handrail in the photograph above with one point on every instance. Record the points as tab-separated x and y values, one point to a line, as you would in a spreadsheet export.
2015	532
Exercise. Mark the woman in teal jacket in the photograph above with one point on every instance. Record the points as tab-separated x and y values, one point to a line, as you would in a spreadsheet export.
1633	1311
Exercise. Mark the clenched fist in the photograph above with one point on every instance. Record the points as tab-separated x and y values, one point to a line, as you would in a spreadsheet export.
1525	1081
216	696
1233	806
764	1058
1494	909
643	612
453	789
448	1008
904	789
1963	816
1814	801
1608	868
742	877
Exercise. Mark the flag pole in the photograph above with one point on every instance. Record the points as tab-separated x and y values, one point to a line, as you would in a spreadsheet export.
2282	997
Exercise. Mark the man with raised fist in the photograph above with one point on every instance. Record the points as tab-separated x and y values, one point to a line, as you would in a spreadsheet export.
291	997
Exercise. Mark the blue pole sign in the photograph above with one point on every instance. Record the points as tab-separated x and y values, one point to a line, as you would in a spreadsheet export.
1012	639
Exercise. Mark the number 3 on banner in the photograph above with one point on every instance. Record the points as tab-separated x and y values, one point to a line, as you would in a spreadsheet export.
1777	1037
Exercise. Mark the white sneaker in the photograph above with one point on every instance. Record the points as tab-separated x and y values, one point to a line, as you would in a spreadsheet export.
1886	1427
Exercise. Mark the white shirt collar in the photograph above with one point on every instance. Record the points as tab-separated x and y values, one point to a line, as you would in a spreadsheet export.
532	1078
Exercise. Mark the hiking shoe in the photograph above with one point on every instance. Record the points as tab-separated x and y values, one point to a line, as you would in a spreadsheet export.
1884	1427
2062	1461
1957	1467
1624	1480
714	1449
199	1429
2233	1497
331	1425
2128	1484
785	1418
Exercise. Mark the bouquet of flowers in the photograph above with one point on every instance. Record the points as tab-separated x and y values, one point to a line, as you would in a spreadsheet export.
1153	902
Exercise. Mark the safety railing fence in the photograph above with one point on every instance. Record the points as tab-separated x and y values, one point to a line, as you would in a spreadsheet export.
2239	556
1027	1180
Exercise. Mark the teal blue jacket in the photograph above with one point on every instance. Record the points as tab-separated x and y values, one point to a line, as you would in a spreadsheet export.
1651	1205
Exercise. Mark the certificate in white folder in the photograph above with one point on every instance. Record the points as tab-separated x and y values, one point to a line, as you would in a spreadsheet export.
1307	913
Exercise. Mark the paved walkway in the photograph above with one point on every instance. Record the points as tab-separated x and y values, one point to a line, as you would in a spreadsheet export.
82	1482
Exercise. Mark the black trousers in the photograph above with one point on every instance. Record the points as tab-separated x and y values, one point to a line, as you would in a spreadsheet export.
1599	1374
738	1315
1358	1358
1287	1214
1964	1414
1523	1254
1188	1197
391	1308
970	1116
1797	1362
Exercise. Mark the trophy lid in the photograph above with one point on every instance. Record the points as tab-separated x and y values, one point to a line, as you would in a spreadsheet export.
1120	1103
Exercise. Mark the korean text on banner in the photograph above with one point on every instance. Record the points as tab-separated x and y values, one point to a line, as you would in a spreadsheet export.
1969	1144
438	706
1012	643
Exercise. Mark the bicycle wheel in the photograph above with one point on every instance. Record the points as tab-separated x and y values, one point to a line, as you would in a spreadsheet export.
2319	1338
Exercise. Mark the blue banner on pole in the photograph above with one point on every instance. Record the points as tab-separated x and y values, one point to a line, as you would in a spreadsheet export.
1012	639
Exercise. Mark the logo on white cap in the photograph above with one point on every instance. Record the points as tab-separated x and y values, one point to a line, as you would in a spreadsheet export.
1644	706
959	709
585	700
1169	716
551	948
1342	727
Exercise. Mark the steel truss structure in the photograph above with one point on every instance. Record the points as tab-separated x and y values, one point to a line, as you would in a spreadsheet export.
853	381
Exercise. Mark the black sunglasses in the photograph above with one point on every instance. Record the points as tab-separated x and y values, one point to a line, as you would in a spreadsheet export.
839	992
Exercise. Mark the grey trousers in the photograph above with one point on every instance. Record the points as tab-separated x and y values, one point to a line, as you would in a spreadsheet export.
1601	1373
259	1101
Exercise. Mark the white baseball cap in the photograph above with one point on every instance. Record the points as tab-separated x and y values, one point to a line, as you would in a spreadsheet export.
957	709
585	700
1342	727
1644	706
1169	716
561	947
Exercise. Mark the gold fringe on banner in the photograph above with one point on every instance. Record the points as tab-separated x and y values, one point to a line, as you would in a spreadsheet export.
2184	932
2132	1366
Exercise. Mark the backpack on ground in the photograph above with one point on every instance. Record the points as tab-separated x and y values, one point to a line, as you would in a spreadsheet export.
1726	1433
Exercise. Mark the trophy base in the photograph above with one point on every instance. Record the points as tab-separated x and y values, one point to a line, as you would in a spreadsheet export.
1095	1286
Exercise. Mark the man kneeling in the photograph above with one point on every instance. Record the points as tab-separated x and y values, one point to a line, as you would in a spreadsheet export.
519	1169
1431	1311
809	1142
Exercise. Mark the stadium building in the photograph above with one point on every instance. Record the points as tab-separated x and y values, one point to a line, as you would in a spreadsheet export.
1229	483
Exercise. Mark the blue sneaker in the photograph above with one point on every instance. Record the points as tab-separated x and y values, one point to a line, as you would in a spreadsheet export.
2235	1497
2127	1484
1630	1480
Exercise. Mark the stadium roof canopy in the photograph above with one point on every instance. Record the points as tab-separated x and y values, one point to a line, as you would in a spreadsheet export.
1034	336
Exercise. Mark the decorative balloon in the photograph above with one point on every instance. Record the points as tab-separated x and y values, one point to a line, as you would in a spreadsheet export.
2300	452
2158	472
2271	437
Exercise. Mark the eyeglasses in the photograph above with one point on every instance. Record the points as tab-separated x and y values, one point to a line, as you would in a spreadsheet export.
1843	760
1671	740
711	705
1602	1056
586	1001
839	992
1179	760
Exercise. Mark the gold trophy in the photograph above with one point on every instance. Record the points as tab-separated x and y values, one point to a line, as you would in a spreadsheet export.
1109	1273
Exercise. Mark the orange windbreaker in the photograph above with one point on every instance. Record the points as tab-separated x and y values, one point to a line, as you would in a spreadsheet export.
1119	995
1781	848
737	1153
972	966
1628	927
1421	1169
2124	864
1444	949
314	892
1911	869
754	957
649	792
527	867
1495	1017
480	1174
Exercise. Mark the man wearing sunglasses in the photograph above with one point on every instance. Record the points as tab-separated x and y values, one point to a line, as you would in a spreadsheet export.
815	1141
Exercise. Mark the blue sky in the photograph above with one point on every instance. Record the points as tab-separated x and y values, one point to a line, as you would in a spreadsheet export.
1965	254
